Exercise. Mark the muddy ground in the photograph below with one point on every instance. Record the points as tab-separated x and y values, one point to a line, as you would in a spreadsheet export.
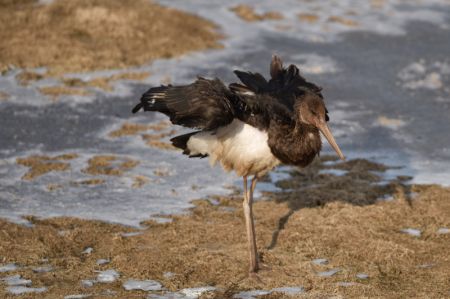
342	212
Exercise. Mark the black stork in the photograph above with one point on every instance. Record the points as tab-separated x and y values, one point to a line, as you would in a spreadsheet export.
249	127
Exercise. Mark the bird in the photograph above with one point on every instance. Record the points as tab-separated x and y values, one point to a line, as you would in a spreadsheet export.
248	127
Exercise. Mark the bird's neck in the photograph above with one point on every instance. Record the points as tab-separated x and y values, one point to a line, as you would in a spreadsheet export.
296	144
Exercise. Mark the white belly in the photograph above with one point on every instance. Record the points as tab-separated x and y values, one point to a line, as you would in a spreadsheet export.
238	146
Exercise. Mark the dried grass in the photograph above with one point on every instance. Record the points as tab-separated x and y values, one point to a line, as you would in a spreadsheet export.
308	17
130	129
109	165
56	91
343	21
247	13
353	231
83	35
4	96
40	165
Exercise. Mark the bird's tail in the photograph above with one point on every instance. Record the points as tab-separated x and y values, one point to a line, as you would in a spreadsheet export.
181	142
153	100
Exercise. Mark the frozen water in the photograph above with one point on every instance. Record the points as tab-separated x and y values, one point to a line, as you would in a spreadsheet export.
346	284
88	250
320	261
443	231
102	261
16	280
194	293
77	296
168	274
8	267
19	290
425	266
290	291
144	285
131	234
329	272
169	295
411	231
362	275
251	294
87	283
43	269
107	276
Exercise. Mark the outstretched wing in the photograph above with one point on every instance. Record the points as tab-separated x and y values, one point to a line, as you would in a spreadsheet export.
285	85
204	104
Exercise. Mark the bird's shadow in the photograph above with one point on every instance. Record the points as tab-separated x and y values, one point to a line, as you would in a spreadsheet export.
358	182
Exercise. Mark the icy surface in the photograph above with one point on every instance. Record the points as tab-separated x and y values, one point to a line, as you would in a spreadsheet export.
132	234
144	285
346	283
443	231
16	280
43	269
102	261
8	267
194	293
169	295
87	283
88	250
18	290
290	291
386	88
77	296
362	275
329	272
107	276
411	231
251	294
320	261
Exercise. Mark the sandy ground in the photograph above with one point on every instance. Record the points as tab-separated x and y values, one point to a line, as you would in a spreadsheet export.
330	211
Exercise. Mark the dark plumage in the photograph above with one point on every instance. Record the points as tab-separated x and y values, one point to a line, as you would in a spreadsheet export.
249	127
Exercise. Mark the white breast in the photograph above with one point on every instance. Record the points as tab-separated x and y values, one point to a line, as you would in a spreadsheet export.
238	146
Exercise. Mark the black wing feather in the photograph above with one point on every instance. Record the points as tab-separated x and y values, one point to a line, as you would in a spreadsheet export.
204	104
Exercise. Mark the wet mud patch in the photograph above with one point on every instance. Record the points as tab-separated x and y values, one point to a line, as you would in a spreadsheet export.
79	36
331	217
40	165
248	13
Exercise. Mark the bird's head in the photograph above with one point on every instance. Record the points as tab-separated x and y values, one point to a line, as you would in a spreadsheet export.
311	110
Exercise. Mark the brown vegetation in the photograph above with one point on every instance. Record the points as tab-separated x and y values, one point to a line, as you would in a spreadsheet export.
109	165
338	218
343	21
83	35
308	17
40	165
248	14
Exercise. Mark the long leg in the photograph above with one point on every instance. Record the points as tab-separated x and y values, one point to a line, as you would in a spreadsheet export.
248	212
